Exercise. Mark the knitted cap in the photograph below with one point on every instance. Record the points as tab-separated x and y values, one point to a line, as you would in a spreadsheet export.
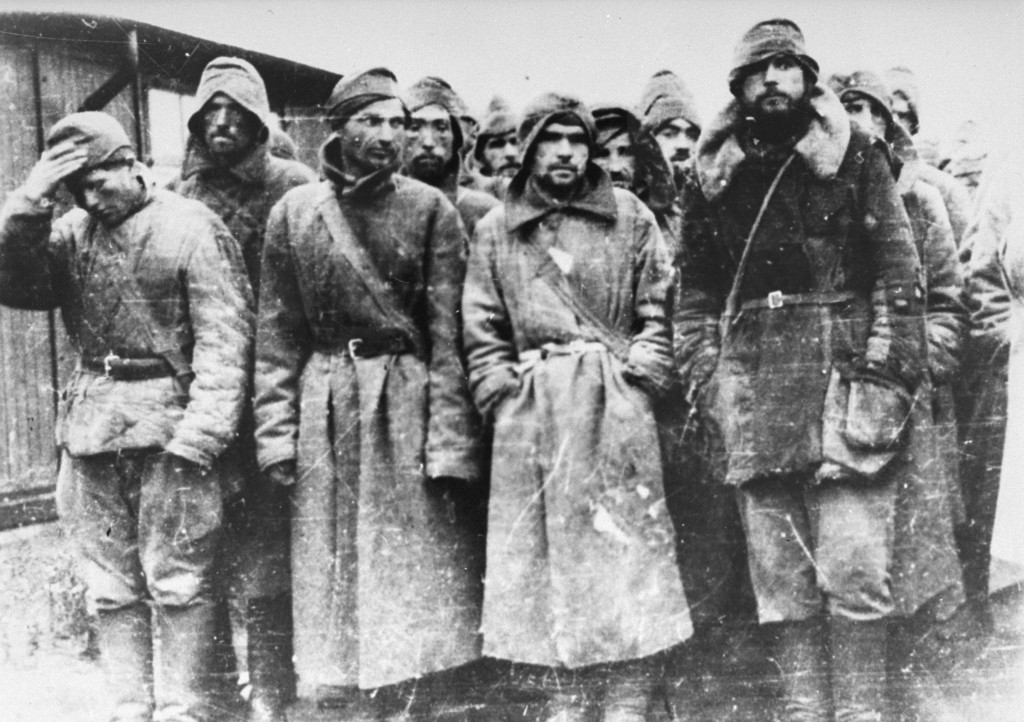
865	83
666	98
237	79
767	40
98	132
359	90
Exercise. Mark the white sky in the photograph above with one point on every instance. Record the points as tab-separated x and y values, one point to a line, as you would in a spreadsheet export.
967	54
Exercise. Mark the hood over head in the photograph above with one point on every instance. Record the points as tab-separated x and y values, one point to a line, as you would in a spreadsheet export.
239	80
547	109
764	41
664	99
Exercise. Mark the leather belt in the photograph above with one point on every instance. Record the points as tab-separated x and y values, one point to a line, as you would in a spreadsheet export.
578	346
778	299
117	368
370	346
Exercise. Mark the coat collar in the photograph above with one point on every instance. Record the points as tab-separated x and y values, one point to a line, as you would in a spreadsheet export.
525	202
905	159
822	147
251	170
349	186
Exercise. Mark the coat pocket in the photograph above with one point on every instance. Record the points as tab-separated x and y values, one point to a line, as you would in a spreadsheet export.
876	416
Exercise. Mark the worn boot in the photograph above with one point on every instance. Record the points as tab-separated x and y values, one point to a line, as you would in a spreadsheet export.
126	647
803	665
270	658
859	652
186	648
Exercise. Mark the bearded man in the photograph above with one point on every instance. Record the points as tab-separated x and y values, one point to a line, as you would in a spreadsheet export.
801	339
433	147
228	167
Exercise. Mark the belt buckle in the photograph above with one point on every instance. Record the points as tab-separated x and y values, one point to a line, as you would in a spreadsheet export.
108	363
353	347
775	300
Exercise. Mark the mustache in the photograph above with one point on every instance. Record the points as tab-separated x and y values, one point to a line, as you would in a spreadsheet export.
681	154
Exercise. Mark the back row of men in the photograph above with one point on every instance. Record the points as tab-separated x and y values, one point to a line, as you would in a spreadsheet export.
309	400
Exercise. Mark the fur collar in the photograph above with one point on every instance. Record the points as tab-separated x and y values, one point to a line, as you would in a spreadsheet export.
822	148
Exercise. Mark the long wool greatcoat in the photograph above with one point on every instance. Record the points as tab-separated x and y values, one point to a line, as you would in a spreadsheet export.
580	558
835	224
386	567
996	280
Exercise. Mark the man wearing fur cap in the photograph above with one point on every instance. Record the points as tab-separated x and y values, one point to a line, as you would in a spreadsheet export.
362	409
156	303
568	343
228	166
668	112
799	332
496	149
433	147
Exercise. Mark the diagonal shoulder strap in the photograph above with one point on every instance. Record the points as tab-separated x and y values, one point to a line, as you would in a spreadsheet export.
732	301
590	319
369	275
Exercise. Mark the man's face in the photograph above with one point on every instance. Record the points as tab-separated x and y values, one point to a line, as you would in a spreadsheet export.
230	132
677	139
903	113
501	154
618	159
107	193
560	157
372	139
865	114
428	144
775	89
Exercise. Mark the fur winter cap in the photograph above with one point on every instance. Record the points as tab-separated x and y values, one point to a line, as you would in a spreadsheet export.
664	99
767	40
237	79
98	132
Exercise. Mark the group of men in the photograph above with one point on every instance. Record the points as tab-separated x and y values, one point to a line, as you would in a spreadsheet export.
561	394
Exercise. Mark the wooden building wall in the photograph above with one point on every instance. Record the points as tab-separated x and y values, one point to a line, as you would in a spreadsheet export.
40	83
41	80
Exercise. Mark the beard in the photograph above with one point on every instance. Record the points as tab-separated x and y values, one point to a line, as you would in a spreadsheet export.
777	117
430	169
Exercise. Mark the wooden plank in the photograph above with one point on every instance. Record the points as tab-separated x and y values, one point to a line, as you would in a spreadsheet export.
27	453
